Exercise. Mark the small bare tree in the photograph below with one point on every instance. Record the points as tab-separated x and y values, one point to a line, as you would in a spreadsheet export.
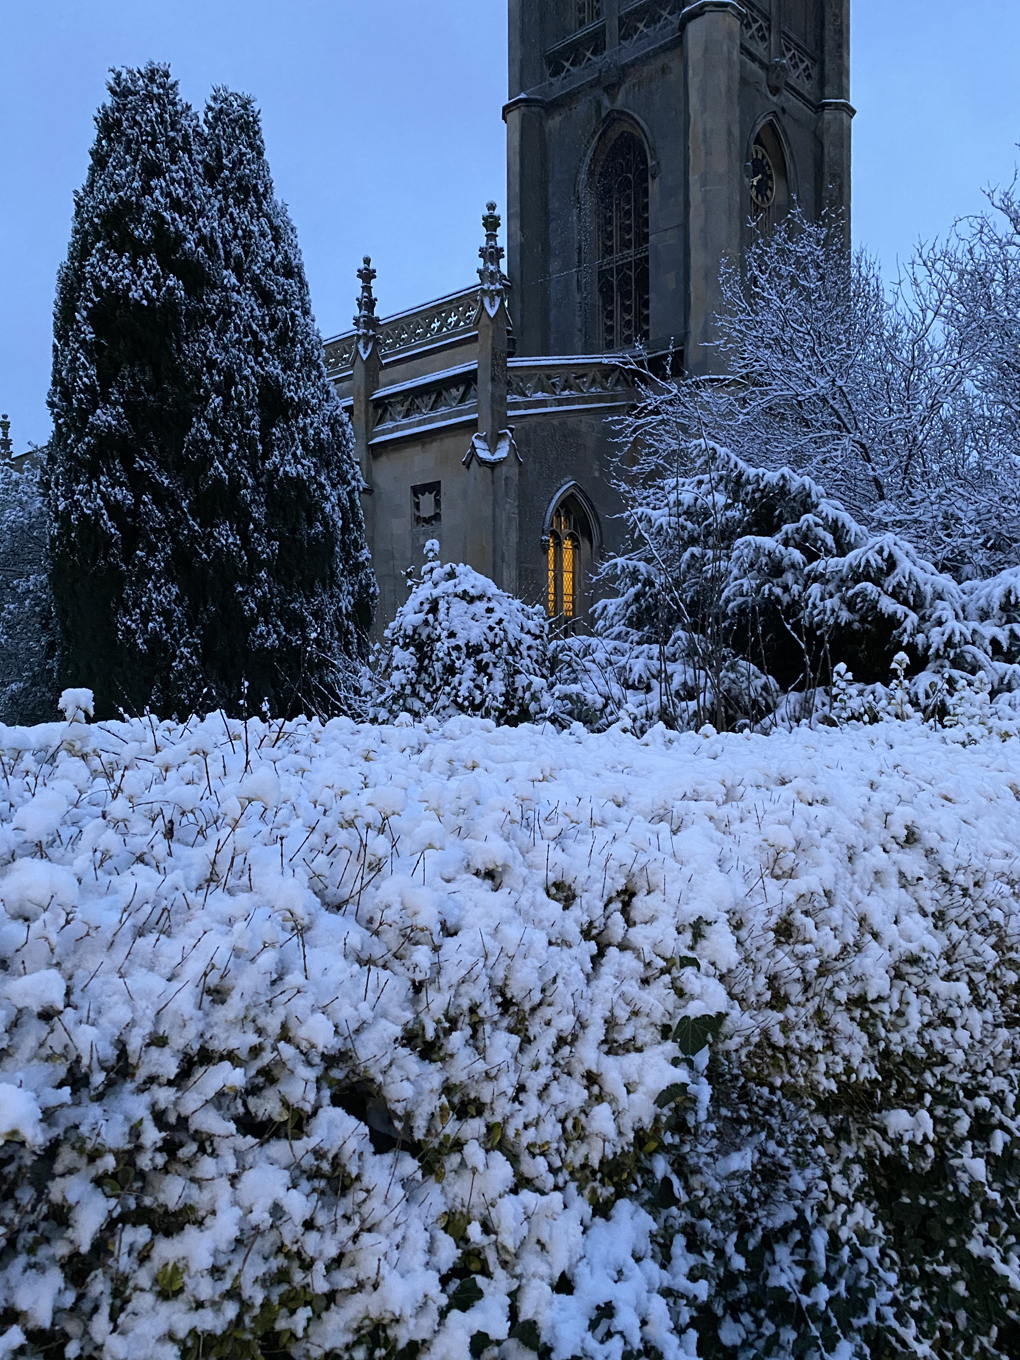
887	397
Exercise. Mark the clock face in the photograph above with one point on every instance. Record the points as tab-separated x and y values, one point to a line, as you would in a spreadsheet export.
763	179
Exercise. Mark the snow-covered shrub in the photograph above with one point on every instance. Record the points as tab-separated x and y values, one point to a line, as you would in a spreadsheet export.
898	399
323	1041
28	686
743	584
459	644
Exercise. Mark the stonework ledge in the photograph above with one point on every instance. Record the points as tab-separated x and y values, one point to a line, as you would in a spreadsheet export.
701	7
525	101
838	106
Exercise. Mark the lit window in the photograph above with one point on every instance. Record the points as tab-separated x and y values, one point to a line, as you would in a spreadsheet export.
563	554
569	558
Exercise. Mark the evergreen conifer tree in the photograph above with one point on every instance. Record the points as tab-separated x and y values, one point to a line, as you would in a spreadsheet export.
208	539
290	585
134	323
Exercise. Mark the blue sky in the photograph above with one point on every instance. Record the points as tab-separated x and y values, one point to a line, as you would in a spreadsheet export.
382	120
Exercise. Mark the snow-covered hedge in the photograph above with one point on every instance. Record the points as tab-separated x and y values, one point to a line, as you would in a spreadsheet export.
450	1041
459	644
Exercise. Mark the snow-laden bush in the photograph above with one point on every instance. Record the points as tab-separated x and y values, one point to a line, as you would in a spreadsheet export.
415	1042
459	644
744	585
28	683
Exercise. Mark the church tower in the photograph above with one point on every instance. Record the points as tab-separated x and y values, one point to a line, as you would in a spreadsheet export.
644	137
647	141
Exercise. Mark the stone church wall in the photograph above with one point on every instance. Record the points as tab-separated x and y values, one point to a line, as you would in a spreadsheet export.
556	452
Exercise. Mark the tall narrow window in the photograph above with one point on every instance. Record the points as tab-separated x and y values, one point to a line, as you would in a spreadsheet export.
621	204
564	566
587	12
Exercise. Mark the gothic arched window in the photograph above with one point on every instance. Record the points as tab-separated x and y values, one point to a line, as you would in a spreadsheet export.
563	557
587	12
621	223
569	549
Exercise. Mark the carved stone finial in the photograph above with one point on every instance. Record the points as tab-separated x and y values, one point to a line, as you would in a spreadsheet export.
6	446
366	323
491	254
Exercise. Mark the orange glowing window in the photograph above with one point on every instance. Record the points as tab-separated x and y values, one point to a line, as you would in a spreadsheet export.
569	557
562	566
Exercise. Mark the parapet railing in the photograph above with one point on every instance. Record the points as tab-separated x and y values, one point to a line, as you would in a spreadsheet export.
646	16
441	322
577	51
579	381
431	402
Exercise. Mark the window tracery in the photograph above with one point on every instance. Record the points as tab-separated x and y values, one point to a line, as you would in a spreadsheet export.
621	205
569	548
587	12
563	555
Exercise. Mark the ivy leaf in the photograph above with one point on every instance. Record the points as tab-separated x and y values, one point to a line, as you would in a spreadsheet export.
494	1136
466	1295
170	1279
670	1095
695	1032
527	1334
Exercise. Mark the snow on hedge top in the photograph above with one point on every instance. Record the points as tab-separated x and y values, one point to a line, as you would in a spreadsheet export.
341	1025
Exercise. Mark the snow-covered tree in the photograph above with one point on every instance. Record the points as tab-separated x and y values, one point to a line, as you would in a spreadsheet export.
209	546
743	583
290	590
459	644
875	393
28	692
133	332
979	270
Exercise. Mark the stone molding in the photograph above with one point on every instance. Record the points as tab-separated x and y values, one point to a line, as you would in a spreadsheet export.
536	386
838	106
701	7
